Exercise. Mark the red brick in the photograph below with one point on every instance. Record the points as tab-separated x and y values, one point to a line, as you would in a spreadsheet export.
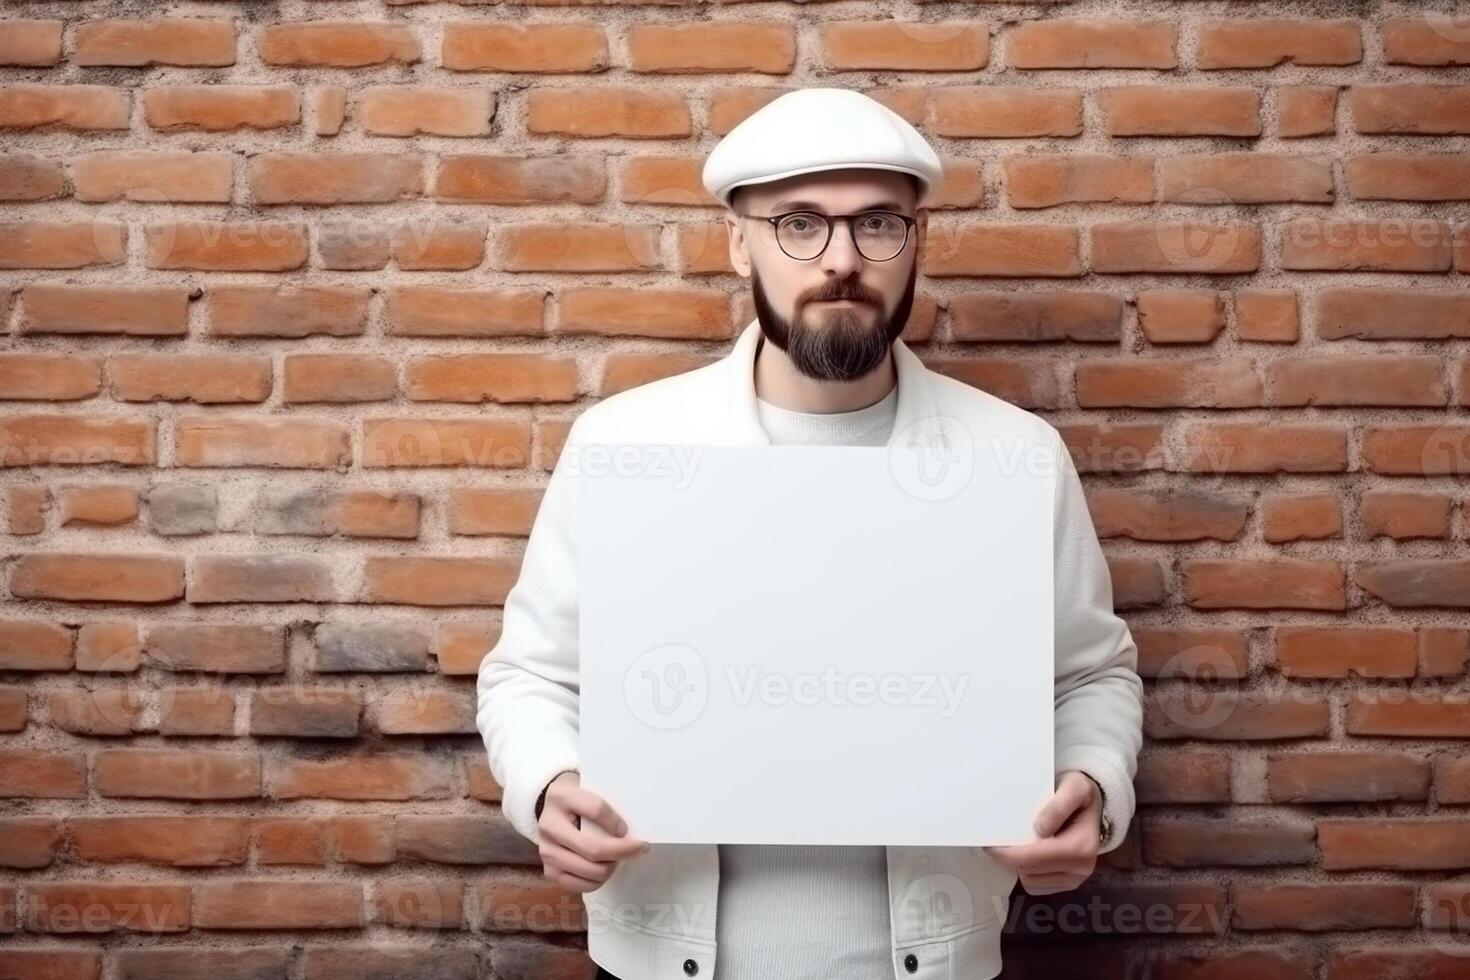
201	378
425	311
1263	42
171	841
1042	181
712	46
667	313
74	577
224	648
153	176
859	45
270	577
223	246
1142	110
1417	582
1267	315
92	907
138	311
361	777
28	842
1245	178
608	111
35	644
1411	108
1324	907
1436	40
408	110
1306	110
1102	43
1403	381
1181	316
1406	844
190	42
1244	447
1196	383
524	47
1409	177
1175	247
1303	651
1229	715
1281	584
999	111
51	775
173	774
288	442
79	107
1394	245
276	904
338	44
486	179
343	378
103	505
1402	516
286	310
579	247
429	581
221	108
62	244
334	178
75	440
30	42
1346	777
1300	517
1415	450
402	442
1003	250
1204	654
491	377
1176	514
422	246
1188	843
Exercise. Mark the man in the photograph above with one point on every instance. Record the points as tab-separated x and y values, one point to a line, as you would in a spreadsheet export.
823	188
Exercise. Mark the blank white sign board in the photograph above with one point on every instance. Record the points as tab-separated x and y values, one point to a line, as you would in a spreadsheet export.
801	645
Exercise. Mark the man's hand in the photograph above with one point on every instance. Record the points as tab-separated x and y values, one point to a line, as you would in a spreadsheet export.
576	857
1066	854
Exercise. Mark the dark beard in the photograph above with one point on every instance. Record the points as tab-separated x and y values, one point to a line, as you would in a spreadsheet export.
843	349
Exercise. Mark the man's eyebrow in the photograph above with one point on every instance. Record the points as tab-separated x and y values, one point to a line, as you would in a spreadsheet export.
813	206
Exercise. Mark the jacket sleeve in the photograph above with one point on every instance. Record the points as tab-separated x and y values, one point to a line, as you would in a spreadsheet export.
1099	695
527	690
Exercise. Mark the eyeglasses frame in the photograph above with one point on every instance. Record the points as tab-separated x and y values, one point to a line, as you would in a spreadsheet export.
831	219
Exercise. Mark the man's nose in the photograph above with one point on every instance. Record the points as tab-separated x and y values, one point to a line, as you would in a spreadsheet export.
841	256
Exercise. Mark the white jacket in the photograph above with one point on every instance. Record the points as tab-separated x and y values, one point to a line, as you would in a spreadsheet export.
654	918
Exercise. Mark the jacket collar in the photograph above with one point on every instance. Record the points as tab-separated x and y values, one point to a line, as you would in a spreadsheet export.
917	421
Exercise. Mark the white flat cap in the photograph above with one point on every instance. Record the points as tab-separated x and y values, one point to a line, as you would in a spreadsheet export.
815	129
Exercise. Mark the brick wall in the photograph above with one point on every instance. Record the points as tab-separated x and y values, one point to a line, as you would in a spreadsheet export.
301	297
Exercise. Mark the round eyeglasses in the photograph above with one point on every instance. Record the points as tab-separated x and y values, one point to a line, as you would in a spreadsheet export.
803	235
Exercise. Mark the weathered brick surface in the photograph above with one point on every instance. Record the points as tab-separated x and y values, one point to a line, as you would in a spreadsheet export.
299	301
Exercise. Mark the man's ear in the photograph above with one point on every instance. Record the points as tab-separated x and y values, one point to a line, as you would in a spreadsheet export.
739	255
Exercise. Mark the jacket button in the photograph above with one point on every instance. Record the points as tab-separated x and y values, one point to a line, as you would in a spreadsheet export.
691	967
911	963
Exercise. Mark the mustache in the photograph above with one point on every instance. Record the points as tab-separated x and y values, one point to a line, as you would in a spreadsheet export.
843	290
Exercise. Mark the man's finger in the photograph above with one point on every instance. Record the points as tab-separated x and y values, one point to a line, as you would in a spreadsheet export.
1046	855
593	807
569	862
1067	800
